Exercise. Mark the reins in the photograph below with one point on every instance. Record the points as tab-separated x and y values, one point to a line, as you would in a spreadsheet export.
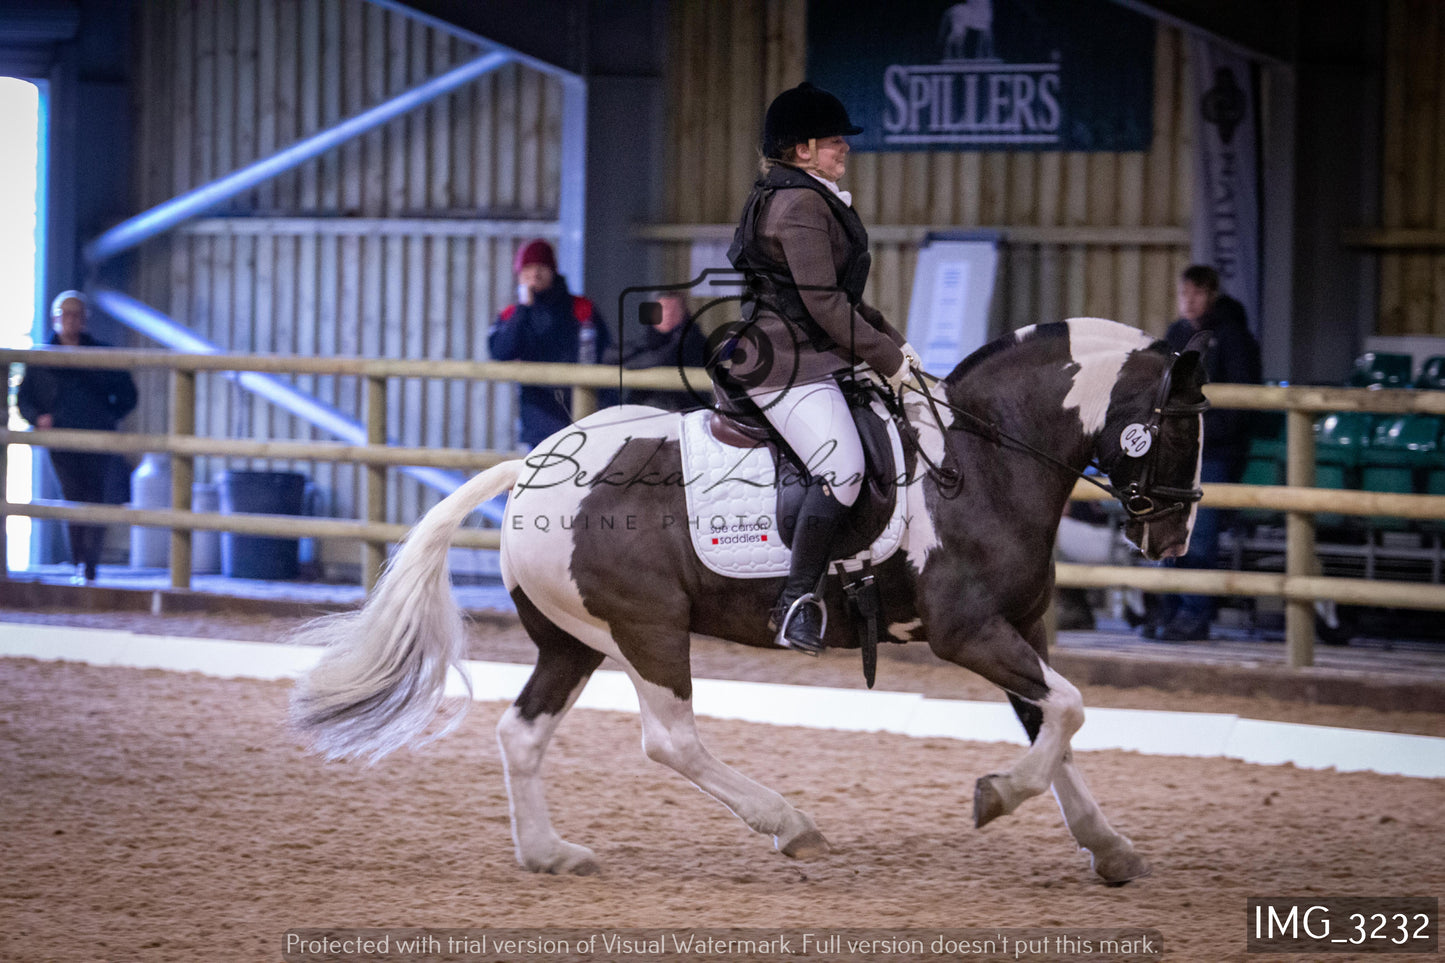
988	430
1135	497
948	478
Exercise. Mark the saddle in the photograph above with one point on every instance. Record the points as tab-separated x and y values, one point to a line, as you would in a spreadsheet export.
734	425
874	526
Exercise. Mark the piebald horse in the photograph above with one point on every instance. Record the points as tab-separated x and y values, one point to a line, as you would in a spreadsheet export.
1020	418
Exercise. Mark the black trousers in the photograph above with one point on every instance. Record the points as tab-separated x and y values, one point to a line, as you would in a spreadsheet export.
82	478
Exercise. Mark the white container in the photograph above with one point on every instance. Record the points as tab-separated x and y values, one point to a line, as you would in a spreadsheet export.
150	487
205	546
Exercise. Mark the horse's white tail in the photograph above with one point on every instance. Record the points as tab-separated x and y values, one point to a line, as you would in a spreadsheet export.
383	675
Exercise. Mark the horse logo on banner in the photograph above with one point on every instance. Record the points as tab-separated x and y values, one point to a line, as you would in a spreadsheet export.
1225	104
972	16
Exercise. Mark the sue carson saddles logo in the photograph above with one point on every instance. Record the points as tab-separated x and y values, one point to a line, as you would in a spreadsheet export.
972	95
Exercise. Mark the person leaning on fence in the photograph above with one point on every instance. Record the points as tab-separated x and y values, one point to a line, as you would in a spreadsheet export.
94	399
805	253
547	323
1232	357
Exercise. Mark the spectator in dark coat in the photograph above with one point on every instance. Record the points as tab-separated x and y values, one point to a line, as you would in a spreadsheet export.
95	399
1231	357
546	324
669	339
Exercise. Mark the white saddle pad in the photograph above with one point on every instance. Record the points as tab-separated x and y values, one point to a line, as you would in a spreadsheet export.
732	505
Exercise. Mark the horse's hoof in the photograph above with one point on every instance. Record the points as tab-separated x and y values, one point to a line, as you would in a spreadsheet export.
1118	868
570	860
808	844
988	802
584	867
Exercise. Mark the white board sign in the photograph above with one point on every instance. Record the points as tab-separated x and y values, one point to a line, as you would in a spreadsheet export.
952	290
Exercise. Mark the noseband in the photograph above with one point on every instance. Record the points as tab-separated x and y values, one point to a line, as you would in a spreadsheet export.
1143	500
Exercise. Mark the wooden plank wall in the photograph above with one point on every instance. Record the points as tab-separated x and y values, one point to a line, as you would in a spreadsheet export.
1102	234
1412	242
223	84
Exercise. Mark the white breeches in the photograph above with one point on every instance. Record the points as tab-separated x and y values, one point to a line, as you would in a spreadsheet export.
815	421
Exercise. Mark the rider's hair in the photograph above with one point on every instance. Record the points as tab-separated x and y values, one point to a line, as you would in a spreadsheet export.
790	157
1202	276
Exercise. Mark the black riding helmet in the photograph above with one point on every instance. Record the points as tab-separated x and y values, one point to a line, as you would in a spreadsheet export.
803	113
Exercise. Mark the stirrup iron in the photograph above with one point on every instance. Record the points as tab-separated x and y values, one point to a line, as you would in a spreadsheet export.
807	598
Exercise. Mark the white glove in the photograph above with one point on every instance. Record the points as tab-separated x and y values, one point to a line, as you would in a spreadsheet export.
896	379
910	357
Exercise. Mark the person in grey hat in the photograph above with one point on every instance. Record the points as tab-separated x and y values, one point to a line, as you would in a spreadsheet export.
804	251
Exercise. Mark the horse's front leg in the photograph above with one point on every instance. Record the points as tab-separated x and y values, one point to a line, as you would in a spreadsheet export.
1111	852
669	736
1000	654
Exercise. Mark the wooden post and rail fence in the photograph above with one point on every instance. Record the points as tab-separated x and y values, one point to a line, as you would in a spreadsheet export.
1299	586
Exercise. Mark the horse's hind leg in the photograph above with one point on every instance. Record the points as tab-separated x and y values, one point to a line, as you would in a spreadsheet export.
563	667
669	736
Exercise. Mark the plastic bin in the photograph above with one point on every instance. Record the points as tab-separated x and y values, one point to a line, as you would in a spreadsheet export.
261	493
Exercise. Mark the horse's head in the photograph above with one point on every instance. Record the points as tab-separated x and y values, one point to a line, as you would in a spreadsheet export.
1128	403
1151	443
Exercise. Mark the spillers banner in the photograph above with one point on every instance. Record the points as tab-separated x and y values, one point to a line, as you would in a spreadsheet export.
1226	171
987	74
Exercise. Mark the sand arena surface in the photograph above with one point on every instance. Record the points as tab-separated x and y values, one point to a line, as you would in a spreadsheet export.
901	668
159	816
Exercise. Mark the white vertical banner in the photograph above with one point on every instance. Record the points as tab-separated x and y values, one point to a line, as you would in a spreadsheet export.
1226	190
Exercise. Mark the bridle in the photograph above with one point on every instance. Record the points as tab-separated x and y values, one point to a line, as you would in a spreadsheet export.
1143	500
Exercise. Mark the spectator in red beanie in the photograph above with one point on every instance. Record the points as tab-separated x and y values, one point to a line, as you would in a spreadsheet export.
546	324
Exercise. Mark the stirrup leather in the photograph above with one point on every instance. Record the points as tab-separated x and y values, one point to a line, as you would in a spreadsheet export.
807	598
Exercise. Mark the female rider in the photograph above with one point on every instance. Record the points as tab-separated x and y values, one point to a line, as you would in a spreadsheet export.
805	253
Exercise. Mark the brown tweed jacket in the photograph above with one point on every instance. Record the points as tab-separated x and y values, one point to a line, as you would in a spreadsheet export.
798	229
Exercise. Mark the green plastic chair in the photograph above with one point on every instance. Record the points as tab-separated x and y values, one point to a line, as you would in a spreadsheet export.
1341	438
1262	469
1379	369
1426	442
1266	435
1388	464
1434	484
1264	462
1332	476
1340	441
1432	374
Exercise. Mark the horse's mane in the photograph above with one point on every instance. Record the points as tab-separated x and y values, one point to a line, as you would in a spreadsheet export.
1076	333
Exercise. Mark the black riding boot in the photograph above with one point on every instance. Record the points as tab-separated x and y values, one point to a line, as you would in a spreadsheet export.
819	518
